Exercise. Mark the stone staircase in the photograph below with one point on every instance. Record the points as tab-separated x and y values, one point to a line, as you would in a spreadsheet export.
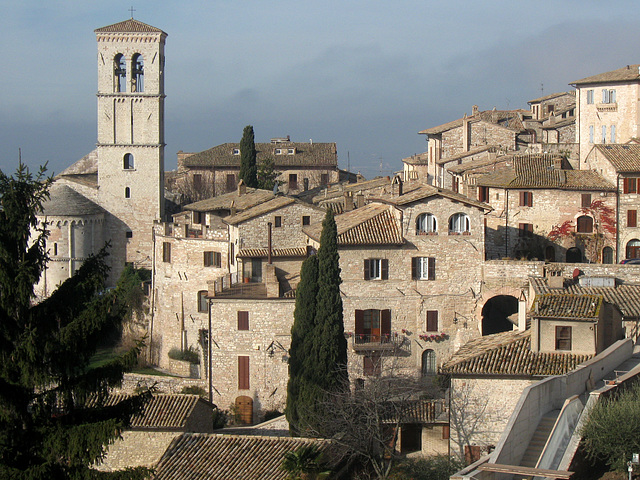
539	439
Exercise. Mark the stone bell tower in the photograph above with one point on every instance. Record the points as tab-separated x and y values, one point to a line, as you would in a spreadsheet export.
131	136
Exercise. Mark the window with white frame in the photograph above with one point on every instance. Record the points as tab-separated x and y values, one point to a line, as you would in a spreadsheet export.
608	96
426	223
459	223
590	97
590	133
604	134
423	268
376	269
613	134
236	151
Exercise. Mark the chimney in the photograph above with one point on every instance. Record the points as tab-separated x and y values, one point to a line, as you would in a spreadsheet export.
359	200
233	207
242	188
474	110
396	186
348	201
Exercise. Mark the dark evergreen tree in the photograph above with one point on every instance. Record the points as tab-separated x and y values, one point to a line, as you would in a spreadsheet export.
267	174
248	167
301	340
52	424
329	344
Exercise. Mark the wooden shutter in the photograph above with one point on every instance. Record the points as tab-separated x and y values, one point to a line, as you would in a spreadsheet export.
632	218
243	320
359	322
637	180
414	267
586	200
432	268
384	269
366	269
432	320
522	199
243	373
385	322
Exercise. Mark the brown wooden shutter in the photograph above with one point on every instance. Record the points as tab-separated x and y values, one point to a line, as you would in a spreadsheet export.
632	218
432	268
638	184
359	322
432	320
586	200
385	322
366	269
243	320
414	268
522	199
384	273
243	373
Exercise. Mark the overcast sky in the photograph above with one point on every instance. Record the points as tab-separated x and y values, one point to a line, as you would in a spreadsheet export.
367	75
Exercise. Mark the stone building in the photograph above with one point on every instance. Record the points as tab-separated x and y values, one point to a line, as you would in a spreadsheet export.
301	166
538	195
553	119
124	175
608	108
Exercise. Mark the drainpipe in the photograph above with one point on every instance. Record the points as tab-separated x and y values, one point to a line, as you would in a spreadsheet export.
269	244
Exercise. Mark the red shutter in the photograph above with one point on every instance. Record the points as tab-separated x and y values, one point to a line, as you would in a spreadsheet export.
243	373
432	268
385	324
366	269
384	269
432	320
243	320
414	268
359	322
638	185
530	200
632	218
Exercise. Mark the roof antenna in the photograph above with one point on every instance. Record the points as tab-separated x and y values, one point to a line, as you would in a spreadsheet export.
542	89
19	156
131	10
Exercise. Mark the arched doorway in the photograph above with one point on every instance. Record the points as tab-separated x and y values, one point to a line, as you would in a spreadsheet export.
550	254
244	410
428	363
633	248
607	255
496	313
574	255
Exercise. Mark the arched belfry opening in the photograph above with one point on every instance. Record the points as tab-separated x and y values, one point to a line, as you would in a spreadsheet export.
496	313
119	74
137	73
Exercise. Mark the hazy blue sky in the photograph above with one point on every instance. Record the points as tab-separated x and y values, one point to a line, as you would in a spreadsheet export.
365	74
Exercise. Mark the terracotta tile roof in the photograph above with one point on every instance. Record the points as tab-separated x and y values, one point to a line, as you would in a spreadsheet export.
629	73
307	154
417	159
260	209
252	197
276	252
337	191
563	123
64	201
460	156
510	119
550	96
538	171
624	158
570	307
509	354
228	457
162	412
417	192
373	224
417	411
625	297
129	26
502	162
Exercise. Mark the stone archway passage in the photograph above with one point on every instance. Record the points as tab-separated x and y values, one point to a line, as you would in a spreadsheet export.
496	312
244	410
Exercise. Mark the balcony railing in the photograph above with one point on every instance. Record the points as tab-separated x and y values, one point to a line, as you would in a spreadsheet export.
386	341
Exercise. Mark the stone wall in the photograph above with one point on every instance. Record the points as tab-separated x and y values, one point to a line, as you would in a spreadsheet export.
136	449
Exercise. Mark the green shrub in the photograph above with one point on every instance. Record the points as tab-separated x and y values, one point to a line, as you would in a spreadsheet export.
220	418
434	468
189	355
194	390
271	414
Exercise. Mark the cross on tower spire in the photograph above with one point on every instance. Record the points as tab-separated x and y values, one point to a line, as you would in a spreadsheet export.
131	10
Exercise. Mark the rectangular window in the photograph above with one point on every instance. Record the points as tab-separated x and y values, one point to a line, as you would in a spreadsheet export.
376	269
526	199
525	229
198	218
243	372
423	268
306	220
128	234
293	181
629	185
324	179
613	134
432	320
231	182
483	194
232	256
605	95
604	134
590	133
166	252
197	181
586	200
372	326
563	338
632	218
212	259
277	221
589	97
243	320
372	364
203	302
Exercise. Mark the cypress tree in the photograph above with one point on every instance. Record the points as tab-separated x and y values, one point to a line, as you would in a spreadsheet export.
248	167
52	424
301	340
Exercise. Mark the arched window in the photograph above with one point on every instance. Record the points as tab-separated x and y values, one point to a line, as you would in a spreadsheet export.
137	73
127	163
633	248
584	224
127	192
574	255
459	223
119	73
426	223
607	255
428	363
